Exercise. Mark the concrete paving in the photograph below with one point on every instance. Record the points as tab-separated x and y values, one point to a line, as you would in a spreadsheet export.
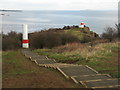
77	70
45	61
90	77
102	83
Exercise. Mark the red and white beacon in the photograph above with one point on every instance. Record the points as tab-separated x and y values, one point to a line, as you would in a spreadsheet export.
82	24
25	43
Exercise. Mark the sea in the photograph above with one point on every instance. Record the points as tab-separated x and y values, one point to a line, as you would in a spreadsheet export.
37	20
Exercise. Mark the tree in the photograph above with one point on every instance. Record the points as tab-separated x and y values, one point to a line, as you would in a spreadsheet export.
11	41
110	34
118	30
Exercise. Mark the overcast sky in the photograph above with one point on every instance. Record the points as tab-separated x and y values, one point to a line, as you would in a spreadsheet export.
59	4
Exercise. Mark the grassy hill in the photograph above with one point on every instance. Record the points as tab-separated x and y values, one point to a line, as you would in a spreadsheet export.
56	37
75	30
82	33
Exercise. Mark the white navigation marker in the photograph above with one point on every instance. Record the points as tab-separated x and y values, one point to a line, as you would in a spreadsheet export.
82	24
25	43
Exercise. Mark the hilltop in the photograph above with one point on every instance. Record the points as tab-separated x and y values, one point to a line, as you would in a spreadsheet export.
82	34
60	36
75	30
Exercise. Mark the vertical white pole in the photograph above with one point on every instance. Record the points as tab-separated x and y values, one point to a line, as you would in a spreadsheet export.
25	43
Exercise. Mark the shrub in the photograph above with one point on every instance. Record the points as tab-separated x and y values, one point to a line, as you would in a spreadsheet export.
50	39
68	38
118	30
110	34
11	41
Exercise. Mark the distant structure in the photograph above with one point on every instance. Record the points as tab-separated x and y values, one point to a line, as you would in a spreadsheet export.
25	43
118	12
82	24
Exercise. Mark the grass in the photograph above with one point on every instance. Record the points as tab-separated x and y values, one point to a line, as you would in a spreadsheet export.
12	59
102	57
60	57
20	72
78	32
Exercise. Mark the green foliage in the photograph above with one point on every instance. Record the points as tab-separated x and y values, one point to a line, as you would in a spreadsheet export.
114	48
65	57
60	57
83	34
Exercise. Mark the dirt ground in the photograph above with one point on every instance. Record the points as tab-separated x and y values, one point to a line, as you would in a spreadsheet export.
40	78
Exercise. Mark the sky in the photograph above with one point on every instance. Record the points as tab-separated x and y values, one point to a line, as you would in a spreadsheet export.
59	4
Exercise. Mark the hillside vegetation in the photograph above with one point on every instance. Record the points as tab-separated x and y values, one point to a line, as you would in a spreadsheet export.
49	38
102	57
56	37
60	36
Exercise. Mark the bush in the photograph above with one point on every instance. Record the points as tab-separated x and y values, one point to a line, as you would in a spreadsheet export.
50	39
44	40
68	38
11	41
118	30
110	34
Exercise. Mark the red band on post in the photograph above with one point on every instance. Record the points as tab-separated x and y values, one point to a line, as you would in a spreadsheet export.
82	23
24	41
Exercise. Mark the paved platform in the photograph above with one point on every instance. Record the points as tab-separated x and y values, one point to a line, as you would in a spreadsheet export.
55	65
77	70
102	83
80	74
45	61
91	77
37	57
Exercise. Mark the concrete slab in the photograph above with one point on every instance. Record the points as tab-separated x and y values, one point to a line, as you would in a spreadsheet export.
38	57
29	54
101	83
45	61
76	70
76	79
55	65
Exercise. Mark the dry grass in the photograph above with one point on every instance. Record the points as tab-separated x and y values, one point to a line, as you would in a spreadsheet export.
103	56
69	47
